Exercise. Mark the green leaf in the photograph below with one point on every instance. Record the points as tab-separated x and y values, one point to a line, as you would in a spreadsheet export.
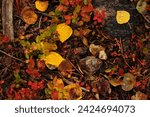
85	2
46	33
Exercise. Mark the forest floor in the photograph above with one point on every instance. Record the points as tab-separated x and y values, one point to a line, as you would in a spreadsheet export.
61	51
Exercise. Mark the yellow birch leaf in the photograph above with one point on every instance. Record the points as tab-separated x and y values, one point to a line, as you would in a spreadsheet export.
64	31
53	58
122	17
41	5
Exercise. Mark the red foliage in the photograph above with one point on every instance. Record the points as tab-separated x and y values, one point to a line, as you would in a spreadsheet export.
5	39
36	85
62	8
31	70
55	95
71	2
121	71
99	16
1	82
40	65
25	93
68	18
85	12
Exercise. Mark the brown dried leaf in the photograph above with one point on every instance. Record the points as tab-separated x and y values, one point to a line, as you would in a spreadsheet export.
128	82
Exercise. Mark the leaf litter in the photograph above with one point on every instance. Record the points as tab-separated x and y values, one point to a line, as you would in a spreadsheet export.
76	50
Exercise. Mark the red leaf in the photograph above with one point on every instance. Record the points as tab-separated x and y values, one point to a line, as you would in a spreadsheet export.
31	64
55	95
121	71
33	72
40	65
5	39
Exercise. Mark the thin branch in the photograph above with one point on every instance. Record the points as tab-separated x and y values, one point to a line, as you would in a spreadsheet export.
12	56
121	49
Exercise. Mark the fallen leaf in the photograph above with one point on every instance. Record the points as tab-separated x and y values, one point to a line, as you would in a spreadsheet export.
41	5
139	96
28	15
72	92
128	82
115	82
64	31
85	41
53	58
122	17
141	6
102	55
58	83
95	49
65	68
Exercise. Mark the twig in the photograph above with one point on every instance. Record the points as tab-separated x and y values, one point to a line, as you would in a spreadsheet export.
39	25
121	49
12	56
44	14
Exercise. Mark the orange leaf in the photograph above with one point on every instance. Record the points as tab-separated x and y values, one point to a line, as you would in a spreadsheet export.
41	5
28	15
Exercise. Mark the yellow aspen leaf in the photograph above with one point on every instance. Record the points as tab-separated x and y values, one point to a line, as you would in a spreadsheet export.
29	16
122	17
41	5
53	58
72	92
64	31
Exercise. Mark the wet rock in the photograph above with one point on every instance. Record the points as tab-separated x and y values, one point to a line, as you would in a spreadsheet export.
90	64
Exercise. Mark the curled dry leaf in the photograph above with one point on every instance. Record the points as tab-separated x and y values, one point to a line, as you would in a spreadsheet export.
116	82
102	55
41	5
95	49
64	31
141	6
53	58
122	17
139	96
128	82
98	49
28	15
72	92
